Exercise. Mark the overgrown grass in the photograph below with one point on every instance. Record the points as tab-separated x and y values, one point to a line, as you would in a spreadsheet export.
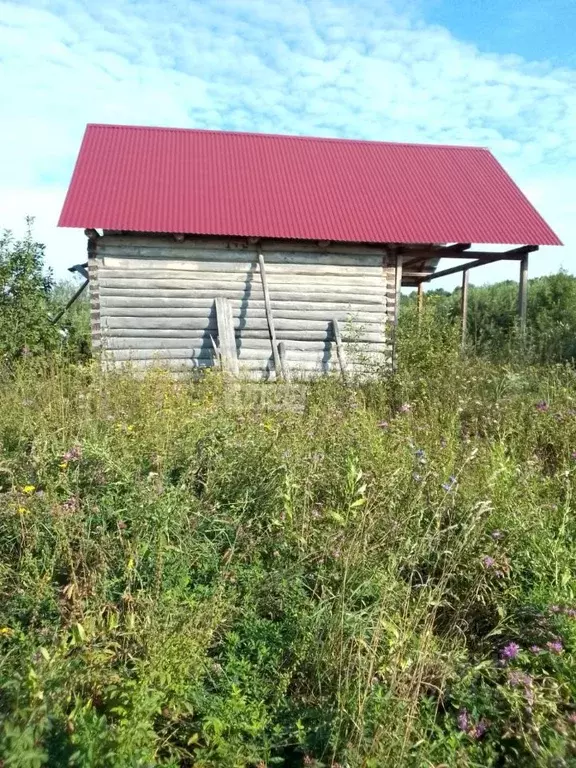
194	573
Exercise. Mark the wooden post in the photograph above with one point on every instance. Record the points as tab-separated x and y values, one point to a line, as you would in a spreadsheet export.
226	337
420	299
523	294
270	317
283	361
398	263
340	349
464	306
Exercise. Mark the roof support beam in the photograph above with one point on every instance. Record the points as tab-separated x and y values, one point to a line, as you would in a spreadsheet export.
434	253
488	258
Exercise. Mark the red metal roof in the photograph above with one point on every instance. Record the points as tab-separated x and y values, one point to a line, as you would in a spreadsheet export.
244	184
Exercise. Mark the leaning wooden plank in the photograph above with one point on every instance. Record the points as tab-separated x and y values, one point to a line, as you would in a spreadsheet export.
269	317
340	349
226	338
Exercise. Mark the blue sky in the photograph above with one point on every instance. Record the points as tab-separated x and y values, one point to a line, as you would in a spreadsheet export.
494	73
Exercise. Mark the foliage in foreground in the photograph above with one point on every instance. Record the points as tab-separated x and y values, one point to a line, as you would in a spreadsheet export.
194	574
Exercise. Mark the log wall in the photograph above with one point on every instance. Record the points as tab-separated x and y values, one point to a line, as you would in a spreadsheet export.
153	302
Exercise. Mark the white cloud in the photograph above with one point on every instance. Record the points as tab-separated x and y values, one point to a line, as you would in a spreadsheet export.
357	68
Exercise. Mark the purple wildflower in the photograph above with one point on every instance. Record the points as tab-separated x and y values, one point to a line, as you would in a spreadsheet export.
497	535
517	677
572	718
570	612
450	484
555	609
542	406
479	730
535	649
488	562
405	407
463	722
555	646
74	454
510	651
499	574
573	455
70	505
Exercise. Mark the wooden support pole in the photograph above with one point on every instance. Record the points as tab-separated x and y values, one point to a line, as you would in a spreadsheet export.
340	349
420	299
226	337
398	265
523	294
69	303
270	317
464	307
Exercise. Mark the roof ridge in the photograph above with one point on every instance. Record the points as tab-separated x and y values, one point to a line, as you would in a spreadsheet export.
287	136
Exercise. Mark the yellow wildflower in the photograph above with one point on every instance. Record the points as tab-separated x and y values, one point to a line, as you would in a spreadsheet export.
22	511
29	489
6	631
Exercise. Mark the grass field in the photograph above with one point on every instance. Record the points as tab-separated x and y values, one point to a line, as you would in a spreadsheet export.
205	574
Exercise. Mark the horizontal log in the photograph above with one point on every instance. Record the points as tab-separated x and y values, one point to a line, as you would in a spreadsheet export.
209	324
203	343
247	288
244	315
193	266
289	295
239	244
326	309
203	337
179	251
238	280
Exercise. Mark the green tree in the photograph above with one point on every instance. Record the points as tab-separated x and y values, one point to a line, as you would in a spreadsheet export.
25	287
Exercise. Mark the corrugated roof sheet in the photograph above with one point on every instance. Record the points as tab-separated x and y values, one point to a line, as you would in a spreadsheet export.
243	184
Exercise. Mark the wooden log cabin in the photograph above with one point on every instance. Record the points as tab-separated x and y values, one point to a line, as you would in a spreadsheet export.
274	254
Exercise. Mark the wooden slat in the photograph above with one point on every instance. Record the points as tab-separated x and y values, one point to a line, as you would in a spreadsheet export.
312	294
176	251
199	307
226	339
226	271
